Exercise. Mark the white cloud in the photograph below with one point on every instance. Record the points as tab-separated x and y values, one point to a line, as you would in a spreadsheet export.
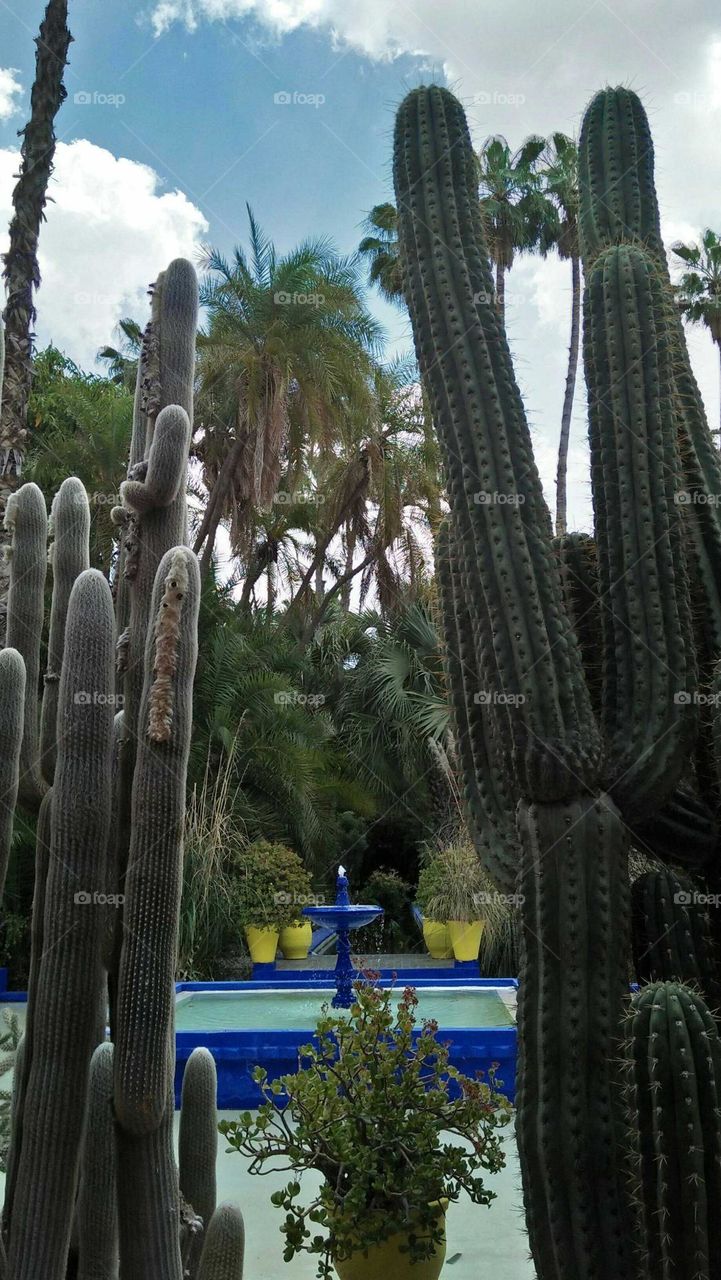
10	88
109	231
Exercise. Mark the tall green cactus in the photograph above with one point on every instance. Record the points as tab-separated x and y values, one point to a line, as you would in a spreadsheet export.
224	1248
198	1139
27	521
672	1056
537	750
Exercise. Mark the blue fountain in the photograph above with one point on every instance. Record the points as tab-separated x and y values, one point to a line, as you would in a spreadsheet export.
342	916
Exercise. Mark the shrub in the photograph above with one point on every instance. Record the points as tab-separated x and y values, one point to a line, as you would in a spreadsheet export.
373	1110
271	886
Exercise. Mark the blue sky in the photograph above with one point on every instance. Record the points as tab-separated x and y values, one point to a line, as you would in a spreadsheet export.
183	127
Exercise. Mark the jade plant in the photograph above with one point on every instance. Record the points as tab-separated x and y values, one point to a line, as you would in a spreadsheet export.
571	739
392	1128
270	886
92	1185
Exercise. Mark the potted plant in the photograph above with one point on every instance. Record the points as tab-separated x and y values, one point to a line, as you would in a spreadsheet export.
271	886
374	1108
435	932
458	897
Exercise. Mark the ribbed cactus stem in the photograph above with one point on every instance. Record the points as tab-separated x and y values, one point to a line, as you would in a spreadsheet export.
671	933
69	556
97	1214
528	653
649	716
198	1139
70	976
12	705
672	1057
153	883
149	1202
224	1248
26	520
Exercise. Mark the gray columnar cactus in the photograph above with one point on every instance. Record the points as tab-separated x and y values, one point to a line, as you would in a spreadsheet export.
70	975
224	1248
12	704
198	1140
26	520
68	556
97	1214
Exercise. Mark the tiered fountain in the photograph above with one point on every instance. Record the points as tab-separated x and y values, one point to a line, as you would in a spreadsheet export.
342	916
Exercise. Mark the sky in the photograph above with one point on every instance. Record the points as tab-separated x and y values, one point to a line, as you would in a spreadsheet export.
181	111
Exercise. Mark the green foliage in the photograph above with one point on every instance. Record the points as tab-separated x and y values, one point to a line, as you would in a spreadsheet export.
80	426
270	886
395	930
458	887
372	1110
9	1041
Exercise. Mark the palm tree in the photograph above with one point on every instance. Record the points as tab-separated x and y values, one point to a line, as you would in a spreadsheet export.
380	247
122	361
22	274
288	347
560	178
698	292
513	205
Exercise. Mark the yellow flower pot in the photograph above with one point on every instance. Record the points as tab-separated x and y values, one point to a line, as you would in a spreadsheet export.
386	1262
437	939
262	942
466	938
295	940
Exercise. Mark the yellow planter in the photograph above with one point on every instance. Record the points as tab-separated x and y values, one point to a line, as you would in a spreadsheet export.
263	943
437	939
386	1262
295	940
466	938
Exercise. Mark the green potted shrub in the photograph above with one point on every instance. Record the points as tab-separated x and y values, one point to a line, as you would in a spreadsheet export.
375	1109
271	885
459	896
435	932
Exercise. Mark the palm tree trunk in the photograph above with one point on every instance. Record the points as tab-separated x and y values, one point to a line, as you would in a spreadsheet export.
22	275
205	537
501	291
562	469
271	576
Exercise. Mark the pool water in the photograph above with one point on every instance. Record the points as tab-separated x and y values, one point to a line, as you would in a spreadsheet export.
300	1010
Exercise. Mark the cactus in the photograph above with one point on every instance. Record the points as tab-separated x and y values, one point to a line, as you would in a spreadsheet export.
510	610
97	1197
27	522
671	934
68	555
198	1139
12	703
224	1247
672	1056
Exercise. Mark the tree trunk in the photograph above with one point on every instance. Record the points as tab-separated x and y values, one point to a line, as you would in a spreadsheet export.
271	578
319	584
501	291
561	472
205	537
22	275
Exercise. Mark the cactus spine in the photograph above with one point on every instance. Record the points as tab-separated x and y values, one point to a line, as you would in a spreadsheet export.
27	522
224	1247
671	934
97	1213
198	1139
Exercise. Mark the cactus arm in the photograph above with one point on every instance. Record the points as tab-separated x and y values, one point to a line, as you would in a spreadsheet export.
149	1202
12	704
618	198
167	464
97	1197
198	1140
494	484
224	1248
153	882
69	555
26	520
70	976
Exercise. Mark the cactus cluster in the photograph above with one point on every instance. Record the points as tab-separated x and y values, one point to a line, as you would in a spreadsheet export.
588	652
93	1185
